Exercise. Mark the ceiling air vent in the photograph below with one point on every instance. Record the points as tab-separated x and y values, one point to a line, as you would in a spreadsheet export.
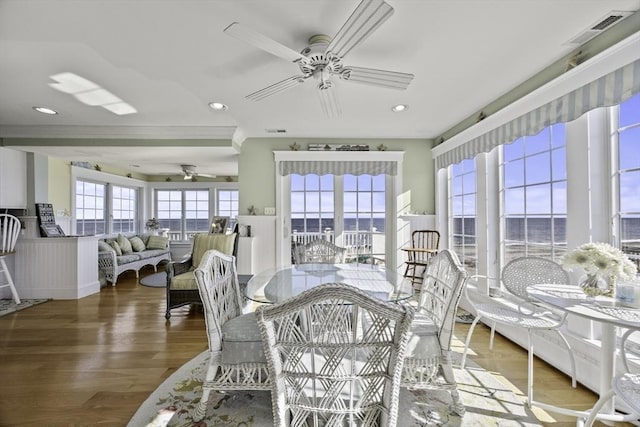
276	130
598	27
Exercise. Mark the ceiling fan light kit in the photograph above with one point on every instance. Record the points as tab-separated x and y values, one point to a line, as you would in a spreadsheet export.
189	173
323	58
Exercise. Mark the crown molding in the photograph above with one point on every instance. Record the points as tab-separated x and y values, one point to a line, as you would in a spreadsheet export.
119	132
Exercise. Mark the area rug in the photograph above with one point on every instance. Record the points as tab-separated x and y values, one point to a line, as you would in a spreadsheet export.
156	280
488	402
8	306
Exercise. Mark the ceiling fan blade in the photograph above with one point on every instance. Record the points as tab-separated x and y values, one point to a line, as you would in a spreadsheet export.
276	87
260	41
206	175
372	76
329	102
368	16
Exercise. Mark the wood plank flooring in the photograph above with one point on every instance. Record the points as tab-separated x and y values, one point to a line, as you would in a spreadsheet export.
93	361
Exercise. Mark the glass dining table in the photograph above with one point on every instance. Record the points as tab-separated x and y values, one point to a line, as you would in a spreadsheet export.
278	284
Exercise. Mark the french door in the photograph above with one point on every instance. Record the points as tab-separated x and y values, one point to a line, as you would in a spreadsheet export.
348	210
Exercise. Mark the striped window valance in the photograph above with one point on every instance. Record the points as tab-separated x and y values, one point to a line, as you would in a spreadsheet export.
610	89
336	167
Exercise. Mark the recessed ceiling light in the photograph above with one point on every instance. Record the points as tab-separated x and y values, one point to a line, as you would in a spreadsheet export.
45	110
218	106
398	108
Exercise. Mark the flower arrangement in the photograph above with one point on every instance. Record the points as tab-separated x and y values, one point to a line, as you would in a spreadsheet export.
153	224
601	259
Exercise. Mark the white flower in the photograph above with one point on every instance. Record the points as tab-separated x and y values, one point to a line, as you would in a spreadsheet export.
600	258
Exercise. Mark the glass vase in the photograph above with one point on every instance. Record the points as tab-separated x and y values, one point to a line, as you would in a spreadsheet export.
594	285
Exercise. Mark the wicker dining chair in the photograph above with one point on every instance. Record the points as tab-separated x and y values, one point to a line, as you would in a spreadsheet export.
335	356
236	355
427	363
9	232
319	251
525	312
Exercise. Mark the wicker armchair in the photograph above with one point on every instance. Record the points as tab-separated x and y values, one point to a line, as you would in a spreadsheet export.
427	363
319	251
236	356
181	282
335	356
525	312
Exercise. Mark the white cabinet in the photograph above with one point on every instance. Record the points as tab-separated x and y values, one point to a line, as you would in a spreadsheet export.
246	255
13	178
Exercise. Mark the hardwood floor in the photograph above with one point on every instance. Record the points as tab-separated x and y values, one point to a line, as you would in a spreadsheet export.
93	361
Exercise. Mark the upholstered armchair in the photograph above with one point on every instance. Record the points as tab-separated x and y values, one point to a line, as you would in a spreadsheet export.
181	282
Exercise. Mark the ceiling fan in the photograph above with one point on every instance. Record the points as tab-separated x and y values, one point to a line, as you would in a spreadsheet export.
189	172
322	59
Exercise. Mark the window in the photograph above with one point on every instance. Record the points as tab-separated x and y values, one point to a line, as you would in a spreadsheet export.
462	202
312	207
364	217
626	125
90	208
183	212
534	206
123	209
228	205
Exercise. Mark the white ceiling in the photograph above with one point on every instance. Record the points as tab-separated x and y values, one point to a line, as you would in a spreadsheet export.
170	58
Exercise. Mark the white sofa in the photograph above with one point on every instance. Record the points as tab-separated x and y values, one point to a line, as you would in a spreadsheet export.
111	265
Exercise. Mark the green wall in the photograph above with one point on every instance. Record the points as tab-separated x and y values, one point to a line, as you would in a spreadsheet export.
59	184
256	169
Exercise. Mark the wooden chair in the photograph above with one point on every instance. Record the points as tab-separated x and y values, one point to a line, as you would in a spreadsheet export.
427	363
525	312
319	251
335	357
9	231
236	356
181	281
424	245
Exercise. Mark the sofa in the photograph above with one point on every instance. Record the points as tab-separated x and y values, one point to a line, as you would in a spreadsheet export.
182	288
122	253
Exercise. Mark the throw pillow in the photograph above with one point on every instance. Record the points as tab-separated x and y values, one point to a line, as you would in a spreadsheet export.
104	246
137	244
157	242
116	247
125	245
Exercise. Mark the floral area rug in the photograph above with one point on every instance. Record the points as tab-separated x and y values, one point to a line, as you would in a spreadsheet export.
488	402
8	306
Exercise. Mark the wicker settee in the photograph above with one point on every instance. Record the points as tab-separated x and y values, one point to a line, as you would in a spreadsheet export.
112	261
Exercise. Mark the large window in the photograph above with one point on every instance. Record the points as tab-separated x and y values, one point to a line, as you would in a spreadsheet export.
90	208
123	209
534	207
312	207
462	201
364	217
626	131
228	205
183	212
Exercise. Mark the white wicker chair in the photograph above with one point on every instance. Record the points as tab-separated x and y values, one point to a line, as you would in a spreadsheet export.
335	355
319	251
9	231
236	355
625	387
517	276
427	363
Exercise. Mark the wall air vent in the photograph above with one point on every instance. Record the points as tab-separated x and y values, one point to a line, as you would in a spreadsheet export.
276	130
598	27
